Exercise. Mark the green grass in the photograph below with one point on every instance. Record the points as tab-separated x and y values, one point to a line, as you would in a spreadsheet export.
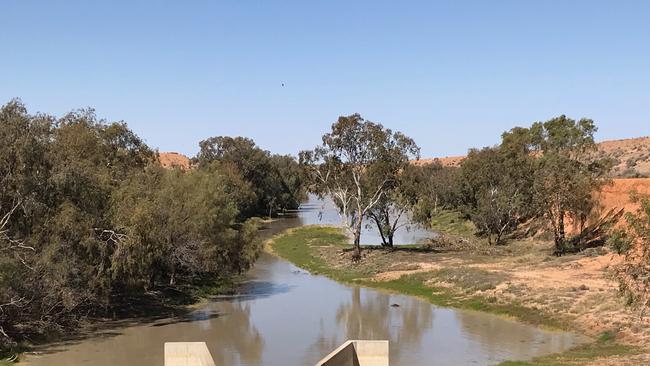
300	246
415	285
213	286
452	222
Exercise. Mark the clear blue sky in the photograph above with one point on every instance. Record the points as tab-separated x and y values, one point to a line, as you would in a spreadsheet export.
451	74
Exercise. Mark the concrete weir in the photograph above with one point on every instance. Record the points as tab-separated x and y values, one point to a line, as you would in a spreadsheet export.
358	353
187	354
350	353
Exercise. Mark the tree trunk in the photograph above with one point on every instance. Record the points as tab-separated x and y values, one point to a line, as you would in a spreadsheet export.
151	283
357	239
380	229
391	232
560	234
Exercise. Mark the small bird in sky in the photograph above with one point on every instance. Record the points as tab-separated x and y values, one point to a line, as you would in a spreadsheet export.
282	84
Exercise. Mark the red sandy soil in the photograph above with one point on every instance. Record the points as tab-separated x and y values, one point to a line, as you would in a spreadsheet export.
617	195
174	159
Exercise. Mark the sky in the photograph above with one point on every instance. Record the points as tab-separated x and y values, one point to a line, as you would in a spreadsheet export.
451	74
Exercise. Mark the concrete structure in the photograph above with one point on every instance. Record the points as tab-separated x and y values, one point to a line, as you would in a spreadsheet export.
358	353
187	354
350	353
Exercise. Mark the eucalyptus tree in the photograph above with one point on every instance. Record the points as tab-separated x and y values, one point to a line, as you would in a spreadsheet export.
493	197
357	165
392	212
565	175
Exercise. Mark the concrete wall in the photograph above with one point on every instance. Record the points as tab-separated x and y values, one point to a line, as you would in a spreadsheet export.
187	354
358	353
372	353
350	353
345	355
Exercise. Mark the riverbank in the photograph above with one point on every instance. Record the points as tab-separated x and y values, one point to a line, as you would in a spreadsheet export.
520	280
174	303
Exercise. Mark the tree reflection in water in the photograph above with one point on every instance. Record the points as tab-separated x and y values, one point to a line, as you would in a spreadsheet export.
369	315
234	336
227	329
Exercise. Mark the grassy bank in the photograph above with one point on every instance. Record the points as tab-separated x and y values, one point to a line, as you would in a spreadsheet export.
584	355
451	222
306	247
324	250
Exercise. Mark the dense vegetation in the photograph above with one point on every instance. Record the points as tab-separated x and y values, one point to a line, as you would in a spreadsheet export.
87	214
543	176
276	180
540	180
634	242
544	173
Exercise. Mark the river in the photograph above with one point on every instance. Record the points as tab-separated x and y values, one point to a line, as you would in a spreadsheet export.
285	316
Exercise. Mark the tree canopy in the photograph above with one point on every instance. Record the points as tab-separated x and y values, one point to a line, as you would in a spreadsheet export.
276	180
357	165
87	214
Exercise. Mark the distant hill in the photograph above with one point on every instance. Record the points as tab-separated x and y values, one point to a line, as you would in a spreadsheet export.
631	157
174	159
452	161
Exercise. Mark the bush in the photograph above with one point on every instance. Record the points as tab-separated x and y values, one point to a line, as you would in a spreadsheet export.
87	213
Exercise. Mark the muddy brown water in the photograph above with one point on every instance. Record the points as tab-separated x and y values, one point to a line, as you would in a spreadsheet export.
286	316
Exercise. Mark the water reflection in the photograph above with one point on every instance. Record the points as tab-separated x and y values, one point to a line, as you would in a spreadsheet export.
231	336
324	212
492	335
285	316
372	315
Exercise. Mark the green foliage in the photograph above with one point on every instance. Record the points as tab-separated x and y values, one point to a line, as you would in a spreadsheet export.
276	180
358	165
619	241
544	172
495	187
437	191
565	176
87	214
634	274
398	201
